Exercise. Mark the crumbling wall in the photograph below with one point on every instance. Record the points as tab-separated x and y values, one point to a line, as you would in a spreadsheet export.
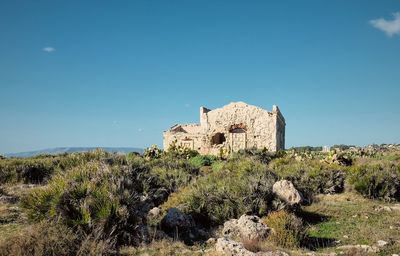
231	128
186	136
240	121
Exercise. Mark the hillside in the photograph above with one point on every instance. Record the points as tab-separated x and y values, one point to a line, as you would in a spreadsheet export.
294	202
61	150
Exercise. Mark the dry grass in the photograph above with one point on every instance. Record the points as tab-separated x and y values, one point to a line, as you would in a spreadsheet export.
166	247
12	218
287	229
40	239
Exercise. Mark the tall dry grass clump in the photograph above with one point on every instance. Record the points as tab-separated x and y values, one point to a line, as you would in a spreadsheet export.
288	230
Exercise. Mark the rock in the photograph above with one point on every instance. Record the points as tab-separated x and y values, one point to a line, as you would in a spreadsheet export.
272	253
154	213
394	207
176	221
8	199
246	227
211	240
230	247
285	191
231	229
321	254
161	235
360	247
180	226
382	243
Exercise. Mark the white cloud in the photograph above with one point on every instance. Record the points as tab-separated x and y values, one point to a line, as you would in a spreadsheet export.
390	27
49	49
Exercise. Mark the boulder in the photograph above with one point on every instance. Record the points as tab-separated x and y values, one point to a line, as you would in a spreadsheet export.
246	227
230	247
362	248
285	191
176	221
382	243
154	213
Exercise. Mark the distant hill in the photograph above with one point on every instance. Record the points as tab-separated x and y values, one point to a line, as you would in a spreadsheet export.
55	151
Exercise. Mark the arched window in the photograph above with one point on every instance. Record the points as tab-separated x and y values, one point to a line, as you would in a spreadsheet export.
218	139
237	130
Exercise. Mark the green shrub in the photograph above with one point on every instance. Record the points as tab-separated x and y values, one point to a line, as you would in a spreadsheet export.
217	166
94	197
260	155
152	152
241	186
288	230
87	182
40	168
201	160
177	151
379	181
27	170
171	179
108	194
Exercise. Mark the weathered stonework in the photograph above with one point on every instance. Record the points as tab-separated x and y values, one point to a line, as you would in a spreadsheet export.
231	128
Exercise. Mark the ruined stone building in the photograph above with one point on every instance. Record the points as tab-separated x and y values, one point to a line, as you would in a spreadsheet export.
231	128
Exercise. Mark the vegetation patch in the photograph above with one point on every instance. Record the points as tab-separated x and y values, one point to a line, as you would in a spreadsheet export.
102	201
288	229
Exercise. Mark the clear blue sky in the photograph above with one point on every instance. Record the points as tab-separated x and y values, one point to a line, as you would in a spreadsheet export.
118	73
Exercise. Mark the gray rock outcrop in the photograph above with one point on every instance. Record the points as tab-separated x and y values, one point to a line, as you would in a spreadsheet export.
246	227
230	247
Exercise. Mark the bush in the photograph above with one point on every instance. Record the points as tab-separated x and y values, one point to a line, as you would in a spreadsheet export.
288	230
261	155
51	238
200	160
94	197
40	168
27	170
379	181
217	166
241	186
108	195
178	151
152	152
171	179
310	176
42	239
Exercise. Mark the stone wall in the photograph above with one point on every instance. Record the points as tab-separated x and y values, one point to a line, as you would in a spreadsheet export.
231	128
